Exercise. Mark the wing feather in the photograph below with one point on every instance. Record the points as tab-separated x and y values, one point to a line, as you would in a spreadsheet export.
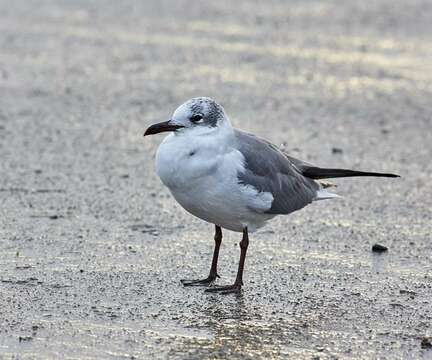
269	170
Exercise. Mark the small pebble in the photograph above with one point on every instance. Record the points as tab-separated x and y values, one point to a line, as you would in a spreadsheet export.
379	248
25	338
408	292
426	343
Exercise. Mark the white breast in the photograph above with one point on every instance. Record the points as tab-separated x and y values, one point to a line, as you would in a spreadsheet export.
180	162
201	173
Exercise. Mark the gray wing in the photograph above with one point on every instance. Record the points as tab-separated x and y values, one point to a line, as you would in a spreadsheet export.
270	170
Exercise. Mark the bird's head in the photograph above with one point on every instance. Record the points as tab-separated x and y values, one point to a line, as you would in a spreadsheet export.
198	114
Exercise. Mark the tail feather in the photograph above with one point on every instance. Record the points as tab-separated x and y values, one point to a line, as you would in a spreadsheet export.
316	173
324	194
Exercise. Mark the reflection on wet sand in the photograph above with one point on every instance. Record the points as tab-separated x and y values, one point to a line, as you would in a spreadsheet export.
241	327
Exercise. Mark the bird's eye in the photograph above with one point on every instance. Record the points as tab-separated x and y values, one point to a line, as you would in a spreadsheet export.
196	118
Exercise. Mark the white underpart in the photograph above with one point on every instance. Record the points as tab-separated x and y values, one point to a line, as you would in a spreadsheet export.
200	167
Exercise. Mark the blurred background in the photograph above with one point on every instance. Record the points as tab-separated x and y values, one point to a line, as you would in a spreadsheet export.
92	247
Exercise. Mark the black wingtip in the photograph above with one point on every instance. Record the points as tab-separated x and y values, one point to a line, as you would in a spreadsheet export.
388	175
322	173
393	175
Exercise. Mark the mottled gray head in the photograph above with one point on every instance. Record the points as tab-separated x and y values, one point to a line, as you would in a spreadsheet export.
200	114
200	111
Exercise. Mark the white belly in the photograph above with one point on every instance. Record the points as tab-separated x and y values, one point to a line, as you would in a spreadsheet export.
203	179
220	206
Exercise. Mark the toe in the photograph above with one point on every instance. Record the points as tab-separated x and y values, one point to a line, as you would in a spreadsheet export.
224	289
201	282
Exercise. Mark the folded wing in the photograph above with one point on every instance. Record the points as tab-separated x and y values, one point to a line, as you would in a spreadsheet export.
289	180
269	170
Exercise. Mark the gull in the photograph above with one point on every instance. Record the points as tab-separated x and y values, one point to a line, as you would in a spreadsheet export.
233	179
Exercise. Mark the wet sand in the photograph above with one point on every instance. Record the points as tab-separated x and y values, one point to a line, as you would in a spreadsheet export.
93	246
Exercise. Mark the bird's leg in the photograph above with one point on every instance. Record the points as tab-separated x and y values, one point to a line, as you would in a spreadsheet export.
213	270
236	287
